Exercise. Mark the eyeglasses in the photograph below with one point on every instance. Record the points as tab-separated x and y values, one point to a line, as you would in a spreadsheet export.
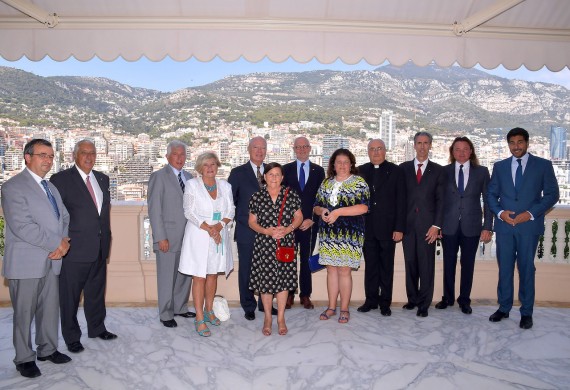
44	156
299	147
378	149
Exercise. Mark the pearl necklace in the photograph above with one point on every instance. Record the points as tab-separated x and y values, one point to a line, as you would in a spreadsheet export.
210	188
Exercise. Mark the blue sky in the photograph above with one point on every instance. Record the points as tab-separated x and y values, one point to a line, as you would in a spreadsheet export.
169	75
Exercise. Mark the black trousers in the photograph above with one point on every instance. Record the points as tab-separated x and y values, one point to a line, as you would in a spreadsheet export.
91	278
246	296
419	258
451	245
379	271
305	247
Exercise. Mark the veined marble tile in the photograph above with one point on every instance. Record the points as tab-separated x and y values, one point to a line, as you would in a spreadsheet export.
446	350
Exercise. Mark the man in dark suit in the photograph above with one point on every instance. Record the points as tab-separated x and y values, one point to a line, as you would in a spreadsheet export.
425	182
385	225
463	222
166	213
36	228
522	189
246	180
85	193
305	177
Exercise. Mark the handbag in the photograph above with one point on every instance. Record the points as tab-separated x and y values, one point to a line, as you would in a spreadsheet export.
314	265
284	254
221	308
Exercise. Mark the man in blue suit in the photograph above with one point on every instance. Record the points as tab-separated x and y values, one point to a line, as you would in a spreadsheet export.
464	224
522	189
310	176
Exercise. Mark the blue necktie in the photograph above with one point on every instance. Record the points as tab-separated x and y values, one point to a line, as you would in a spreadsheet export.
518	175
51	198
461	181
180	181
302	177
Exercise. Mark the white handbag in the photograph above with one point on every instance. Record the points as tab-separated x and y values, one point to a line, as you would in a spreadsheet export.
221	308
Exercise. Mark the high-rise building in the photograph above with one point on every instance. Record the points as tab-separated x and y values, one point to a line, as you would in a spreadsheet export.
387	128
332	142
558	142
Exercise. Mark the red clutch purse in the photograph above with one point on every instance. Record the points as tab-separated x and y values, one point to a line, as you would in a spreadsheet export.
284	254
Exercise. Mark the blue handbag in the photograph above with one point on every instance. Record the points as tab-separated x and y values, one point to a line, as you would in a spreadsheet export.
314	265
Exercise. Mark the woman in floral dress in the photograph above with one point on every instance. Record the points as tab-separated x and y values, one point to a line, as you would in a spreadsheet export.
341	202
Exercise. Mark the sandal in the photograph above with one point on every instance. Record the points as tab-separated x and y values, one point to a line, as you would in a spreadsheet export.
208	318
325	316
343	317
282	329
204	332
267	329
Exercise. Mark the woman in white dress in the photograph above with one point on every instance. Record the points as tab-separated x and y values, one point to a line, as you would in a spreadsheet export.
206	248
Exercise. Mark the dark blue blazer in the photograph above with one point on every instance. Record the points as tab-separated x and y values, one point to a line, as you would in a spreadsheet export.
244	185
89	231
538	193
308	195
465	210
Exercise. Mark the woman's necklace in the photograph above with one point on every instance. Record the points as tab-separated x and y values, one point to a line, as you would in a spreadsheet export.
210	188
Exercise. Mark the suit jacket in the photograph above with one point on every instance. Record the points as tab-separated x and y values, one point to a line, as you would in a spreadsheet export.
244	185
465	210
387	211
32	229
538	193
90	232
308	195
424	201
165	208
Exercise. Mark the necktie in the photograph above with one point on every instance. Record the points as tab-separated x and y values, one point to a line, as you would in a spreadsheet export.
51	198
518	175
181	181
302	177
419	173
461	181
259	177
91	192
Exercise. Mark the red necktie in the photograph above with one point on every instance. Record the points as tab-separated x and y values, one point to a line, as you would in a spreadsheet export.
419	173
90	189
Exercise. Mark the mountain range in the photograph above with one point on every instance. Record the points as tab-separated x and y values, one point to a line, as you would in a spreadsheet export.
434	98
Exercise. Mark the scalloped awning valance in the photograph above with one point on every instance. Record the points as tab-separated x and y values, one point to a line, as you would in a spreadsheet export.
534	33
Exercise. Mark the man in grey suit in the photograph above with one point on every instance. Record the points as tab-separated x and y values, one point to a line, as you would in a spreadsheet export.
464	224
36	227
167	220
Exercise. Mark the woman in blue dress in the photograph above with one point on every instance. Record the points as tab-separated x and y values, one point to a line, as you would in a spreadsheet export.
342	201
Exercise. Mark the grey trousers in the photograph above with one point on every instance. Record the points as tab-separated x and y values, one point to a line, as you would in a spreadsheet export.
173	287
35	299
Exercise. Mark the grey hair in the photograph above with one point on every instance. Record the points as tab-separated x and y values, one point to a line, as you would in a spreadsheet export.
423	133
203	157
78	144
175	144
254	138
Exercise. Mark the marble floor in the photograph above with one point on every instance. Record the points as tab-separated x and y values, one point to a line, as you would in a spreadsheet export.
447	350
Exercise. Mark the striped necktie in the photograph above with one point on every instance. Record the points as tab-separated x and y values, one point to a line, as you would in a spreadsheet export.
51	198
181	182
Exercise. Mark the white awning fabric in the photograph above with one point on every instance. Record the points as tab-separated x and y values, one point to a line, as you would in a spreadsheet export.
533	33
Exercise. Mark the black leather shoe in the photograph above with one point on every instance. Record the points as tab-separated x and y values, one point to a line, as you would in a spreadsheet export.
366	308
422	313
385	311
498	316
75	347
466	309
273	310
56	358
249	315
188	314
28	369
442	305
409	306
169	323
526	322
107	336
